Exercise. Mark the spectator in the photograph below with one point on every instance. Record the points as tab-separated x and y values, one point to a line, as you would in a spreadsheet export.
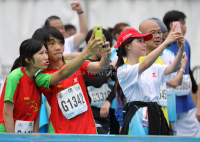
72	43
186	124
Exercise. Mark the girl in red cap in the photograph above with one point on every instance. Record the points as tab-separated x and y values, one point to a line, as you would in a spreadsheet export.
140	82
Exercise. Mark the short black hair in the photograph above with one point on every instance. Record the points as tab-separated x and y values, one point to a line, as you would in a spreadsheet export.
45	33
47	22
27	49
107	35
171	16
69	26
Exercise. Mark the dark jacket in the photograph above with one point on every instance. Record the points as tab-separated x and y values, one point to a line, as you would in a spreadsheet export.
157	122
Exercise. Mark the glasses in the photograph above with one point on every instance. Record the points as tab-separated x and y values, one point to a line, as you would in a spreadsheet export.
156	32
60	27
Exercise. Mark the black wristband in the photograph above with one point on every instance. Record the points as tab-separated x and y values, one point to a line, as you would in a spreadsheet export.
80	12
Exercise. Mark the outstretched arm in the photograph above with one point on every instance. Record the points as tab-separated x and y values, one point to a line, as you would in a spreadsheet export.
151	58
175	65
178	79
70	56
80	37
74	64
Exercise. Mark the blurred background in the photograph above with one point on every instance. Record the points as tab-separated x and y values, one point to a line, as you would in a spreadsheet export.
20	18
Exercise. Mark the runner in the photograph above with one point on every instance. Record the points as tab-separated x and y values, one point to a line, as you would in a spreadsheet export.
20	99
140	82
101	94
70	107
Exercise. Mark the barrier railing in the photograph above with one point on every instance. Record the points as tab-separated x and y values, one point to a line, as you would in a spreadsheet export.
196	74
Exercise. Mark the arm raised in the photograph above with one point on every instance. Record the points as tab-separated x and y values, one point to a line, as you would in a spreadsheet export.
73	65
151	58
80	37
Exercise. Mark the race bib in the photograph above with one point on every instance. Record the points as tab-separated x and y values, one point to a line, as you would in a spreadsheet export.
163	95
186	86
24	126
72	101
98	95
145	117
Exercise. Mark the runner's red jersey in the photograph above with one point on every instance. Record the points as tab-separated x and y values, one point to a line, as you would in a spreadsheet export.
80	124
22	91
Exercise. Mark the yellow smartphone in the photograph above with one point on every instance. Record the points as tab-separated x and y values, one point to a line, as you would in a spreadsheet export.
98	32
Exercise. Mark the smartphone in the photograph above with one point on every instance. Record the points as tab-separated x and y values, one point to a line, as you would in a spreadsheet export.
98	32
177	27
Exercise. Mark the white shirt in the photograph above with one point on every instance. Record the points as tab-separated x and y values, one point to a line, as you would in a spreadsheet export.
142	87
113	56
168	57
69	45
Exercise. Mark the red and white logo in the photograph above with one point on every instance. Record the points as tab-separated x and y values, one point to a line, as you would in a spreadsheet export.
75	80
154	74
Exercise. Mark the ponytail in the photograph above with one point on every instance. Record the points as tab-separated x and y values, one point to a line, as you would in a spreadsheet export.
110	30
16	64
120	62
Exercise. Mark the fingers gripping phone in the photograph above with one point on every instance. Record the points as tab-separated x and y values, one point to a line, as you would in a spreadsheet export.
177	27
99	33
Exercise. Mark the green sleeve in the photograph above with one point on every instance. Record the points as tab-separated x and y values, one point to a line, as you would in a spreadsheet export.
12	82
43	79
66	61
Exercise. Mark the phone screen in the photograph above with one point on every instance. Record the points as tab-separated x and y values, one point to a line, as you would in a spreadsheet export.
177	27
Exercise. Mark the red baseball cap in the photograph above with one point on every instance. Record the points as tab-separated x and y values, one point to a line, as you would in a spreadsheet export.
131	32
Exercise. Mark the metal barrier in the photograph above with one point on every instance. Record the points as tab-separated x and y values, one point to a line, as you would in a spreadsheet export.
40	137
196	74
5	70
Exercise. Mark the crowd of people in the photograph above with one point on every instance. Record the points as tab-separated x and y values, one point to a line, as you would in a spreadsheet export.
136	82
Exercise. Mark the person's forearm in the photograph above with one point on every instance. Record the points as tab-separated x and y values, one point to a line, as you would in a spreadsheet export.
176	81
79	37
70	56
177	61
151	58
68	69
9	123
98	81
111	96
36	125
198	97
83	24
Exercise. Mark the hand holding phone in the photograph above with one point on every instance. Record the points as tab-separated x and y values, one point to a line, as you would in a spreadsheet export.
177	27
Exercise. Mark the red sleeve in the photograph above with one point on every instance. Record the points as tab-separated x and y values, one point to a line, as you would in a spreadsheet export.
84	69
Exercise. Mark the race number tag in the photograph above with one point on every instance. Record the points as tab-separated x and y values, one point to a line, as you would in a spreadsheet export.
24	126
163	95
98	95
186	86
145	117
72	101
